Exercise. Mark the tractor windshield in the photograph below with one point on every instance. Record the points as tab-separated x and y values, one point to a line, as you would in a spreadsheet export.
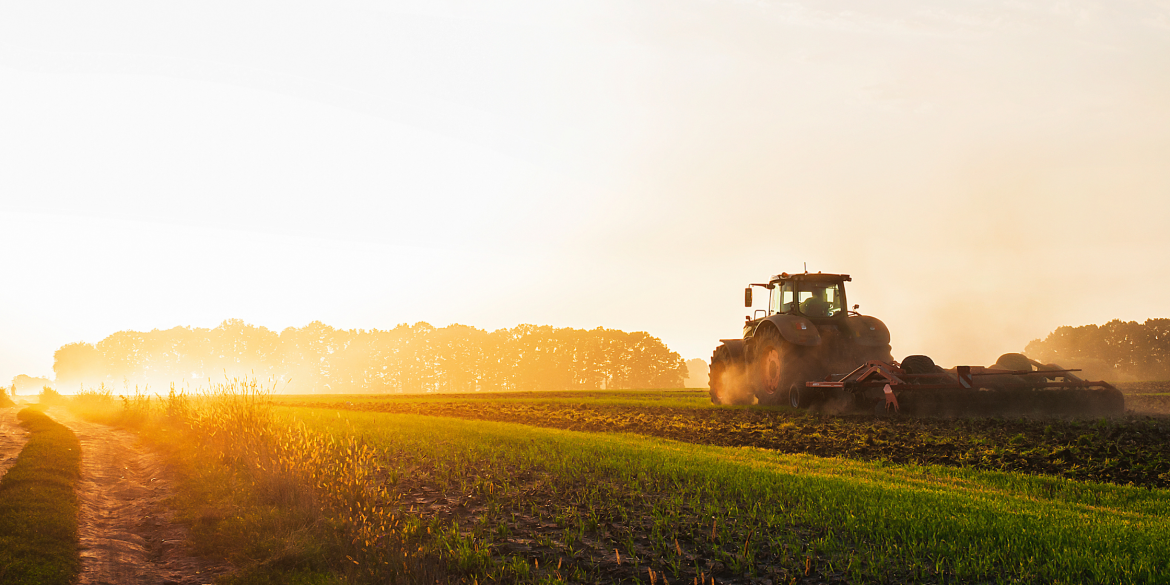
820	299
782	297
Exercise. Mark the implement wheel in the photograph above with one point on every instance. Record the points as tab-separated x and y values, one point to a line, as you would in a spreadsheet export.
799	395
919	364
1014	361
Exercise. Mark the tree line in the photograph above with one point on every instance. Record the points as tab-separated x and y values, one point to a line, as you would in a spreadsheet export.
24	384
415	358
1117	350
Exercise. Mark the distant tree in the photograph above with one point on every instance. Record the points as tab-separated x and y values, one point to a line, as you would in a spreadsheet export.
24	384
78	363
408	358
697	371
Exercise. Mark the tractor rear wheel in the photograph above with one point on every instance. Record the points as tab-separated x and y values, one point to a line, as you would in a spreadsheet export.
726	379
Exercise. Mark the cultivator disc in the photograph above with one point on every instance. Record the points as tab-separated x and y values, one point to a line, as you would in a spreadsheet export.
1023	387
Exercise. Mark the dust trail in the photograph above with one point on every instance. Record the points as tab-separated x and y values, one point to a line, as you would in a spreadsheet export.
737	389
1151	398
12	438
126	531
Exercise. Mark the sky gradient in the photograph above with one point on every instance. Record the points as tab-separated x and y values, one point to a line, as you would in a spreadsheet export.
986	171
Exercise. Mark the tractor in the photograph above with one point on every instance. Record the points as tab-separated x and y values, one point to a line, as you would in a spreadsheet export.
809	349
807	332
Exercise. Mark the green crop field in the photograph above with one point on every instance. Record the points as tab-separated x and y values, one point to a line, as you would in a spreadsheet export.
659	487
676	398
581	501
1133	449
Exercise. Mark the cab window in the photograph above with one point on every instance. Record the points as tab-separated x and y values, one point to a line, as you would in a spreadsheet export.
782	297
818	299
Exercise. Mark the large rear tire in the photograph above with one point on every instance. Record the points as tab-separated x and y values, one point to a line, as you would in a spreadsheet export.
726	377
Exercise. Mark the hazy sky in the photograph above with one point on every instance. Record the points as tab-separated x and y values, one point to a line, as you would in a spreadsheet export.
987	171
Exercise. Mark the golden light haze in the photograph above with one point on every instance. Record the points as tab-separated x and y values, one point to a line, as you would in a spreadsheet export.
986	171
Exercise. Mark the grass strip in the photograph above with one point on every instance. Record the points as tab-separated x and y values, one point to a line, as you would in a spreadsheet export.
268	532
38	506
282	506
686	510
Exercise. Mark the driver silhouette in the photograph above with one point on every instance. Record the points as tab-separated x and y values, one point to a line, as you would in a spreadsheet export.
814	306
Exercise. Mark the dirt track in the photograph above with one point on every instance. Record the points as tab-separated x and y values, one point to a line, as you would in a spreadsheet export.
125	528
12	438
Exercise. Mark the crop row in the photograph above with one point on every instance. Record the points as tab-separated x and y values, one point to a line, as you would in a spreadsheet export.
1124	450
520	503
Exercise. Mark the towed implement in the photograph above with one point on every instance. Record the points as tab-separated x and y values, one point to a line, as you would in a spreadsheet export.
808	350
1015	384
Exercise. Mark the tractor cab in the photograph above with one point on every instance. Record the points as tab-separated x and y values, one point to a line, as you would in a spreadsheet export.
815	296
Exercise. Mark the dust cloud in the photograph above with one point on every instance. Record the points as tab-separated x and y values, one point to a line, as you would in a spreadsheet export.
735	384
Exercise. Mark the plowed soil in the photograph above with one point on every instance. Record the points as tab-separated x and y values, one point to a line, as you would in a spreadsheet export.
12	438
1122	450
125	527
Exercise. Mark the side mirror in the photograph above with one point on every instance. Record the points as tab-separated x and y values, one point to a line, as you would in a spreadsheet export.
855	307
747	297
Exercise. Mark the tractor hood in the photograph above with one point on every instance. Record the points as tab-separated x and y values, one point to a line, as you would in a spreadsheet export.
863	330
868	331
796	330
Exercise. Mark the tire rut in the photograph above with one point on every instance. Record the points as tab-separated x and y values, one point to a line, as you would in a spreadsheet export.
12	438
126	530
